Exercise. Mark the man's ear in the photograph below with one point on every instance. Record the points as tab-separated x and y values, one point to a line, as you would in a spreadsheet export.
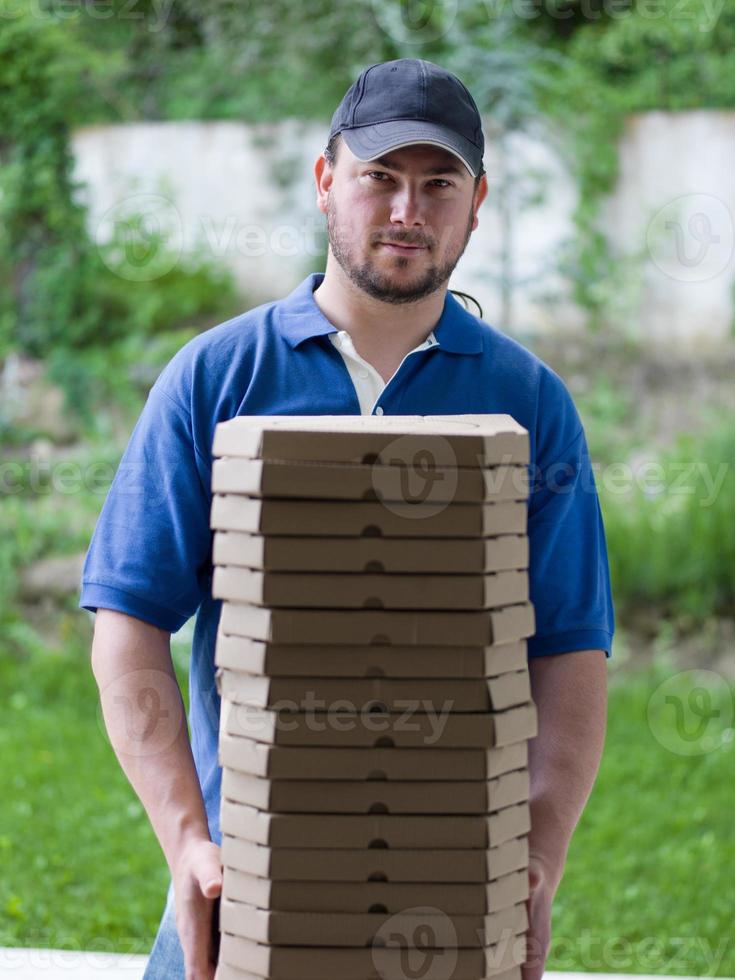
323	175
480	194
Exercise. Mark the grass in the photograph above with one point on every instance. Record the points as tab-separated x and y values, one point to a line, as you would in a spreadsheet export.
81	866
671	530
82	869
648	886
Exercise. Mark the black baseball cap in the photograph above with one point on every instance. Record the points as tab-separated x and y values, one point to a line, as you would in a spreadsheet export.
400	103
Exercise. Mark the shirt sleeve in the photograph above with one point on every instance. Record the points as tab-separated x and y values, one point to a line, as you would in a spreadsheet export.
568	569
150	553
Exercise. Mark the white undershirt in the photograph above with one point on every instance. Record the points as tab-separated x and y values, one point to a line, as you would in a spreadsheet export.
368	383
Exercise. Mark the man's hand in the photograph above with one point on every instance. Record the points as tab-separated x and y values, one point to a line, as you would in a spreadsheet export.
197	881
538	937
570	693
131	660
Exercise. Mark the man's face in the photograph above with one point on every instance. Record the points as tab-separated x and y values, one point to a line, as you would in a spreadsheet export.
398	225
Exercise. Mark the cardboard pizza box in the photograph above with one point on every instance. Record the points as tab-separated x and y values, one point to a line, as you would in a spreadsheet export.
375	896
363	481
442	440
286	762
375	864
365	694
375	796
382	730
355	929
227	972
371	554
354	831
379	626
265	515
252	656
387	962
380	591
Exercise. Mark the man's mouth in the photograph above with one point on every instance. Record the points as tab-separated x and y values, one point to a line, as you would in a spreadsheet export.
402	249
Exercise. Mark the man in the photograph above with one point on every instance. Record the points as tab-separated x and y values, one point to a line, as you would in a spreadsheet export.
401	182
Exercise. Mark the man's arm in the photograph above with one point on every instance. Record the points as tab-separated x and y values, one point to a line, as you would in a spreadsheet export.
570	692
146	722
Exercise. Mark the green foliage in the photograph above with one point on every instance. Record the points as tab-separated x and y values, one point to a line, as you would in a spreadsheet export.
671	55
40	516
655	823
90	311
91	874
254	62
671	530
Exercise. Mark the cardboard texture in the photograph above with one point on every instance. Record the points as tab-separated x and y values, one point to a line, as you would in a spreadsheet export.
375	864
354	831
389	962
371	554
405	729
445	440
283	762
227	972
265	515
335	796
376	707
362	481
496	694
356	626
242	653
378	591
375	896
321	929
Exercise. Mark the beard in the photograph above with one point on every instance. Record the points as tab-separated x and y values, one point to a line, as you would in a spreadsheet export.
385	285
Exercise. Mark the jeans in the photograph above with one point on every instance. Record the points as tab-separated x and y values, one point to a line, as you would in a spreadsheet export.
166	961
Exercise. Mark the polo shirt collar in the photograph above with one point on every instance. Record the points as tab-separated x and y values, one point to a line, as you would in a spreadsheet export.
300	318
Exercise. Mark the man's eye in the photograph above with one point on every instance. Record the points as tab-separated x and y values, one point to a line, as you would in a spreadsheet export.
378	176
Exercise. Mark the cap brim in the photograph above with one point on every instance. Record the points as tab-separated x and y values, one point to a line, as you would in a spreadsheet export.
369	142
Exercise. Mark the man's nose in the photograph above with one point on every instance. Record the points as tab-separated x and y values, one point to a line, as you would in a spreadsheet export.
407	207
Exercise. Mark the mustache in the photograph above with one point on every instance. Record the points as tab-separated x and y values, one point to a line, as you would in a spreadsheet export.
392	240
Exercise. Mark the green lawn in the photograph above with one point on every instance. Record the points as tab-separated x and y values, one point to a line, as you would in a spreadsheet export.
82	869
648	886
81	866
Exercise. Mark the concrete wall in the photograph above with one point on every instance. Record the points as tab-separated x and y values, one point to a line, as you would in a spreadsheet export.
244	195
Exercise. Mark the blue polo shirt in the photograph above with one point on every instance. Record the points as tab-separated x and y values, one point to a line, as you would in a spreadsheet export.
150	554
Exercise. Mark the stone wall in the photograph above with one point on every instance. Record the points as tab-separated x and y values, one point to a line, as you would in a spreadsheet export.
244	195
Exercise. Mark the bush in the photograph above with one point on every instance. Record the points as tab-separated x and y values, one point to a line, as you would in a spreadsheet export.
673	547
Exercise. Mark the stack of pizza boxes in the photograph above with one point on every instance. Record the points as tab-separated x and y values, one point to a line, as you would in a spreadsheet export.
375	702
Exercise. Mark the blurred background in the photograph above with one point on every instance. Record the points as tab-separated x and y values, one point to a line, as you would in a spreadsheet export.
156	178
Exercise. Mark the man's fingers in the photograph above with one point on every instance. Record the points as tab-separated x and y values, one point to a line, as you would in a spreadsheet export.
533	968
208	871
195	932
197	885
